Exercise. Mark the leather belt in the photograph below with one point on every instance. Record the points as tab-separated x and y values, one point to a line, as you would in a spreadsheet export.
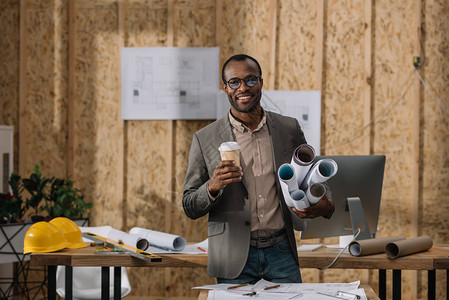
268	241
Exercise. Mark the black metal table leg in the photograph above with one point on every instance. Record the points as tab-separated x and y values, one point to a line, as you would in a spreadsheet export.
117	283
51	292
382	284
104	283
68	282
431	276
397	284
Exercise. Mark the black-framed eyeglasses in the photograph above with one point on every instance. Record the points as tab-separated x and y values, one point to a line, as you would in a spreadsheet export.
235	83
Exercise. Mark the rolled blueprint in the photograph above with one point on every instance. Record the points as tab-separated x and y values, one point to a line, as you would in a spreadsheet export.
372	246
286	174
288	199
302	160
300	200
132	240
315	192
321	171
406	247
161	239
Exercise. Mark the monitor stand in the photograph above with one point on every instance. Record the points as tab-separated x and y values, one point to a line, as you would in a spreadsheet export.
358	219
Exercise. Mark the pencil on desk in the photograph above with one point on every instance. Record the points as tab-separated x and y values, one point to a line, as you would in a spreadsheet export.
236	286
202	249
272	287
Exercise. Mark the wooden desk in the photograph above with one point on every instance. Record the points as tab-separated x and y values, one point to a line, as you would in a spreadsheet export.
370	294
435	258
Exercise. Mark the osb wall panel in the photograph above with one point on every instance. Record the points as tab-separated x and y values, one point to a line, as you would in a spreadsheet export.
9	70
98	130
296	45
246	29
194	26
435	151
145	23
147	144
393	103
194	23
342	88
45	106
393	98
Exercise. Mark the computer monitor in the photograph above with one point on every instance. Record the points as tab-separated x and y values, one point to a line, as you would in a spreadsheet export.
358	176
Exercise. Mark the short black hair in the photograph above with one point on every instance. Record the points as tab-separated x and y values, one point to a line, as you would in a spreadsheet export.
239	57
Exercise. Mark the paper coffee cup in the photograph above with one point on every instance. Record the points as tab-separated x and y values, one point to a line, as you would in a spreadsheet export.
230	151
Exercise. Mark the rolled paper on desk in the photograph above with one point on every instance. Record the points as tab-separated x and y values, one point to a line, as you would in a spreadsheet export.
132	240
410	246
372	246
161	239
302	160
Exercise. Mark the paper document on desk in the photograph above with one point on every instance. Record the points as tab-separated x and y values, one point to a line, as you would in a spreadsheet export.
324	291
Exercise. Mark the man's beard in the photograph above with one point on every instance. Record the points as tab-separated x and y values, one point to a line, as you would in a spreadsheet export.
249	109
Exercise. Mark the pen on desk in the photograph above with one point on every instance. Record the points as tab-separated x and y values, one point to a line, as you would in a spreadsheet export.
347	295
236	286
272	287
204	250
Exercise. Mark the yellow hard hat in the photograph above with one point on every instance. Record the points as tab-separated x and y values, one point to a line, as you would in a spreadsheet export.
43	237
71	232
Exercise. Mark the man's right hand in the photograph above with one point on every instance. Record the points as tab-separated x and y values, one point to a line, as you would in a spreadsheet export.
225	173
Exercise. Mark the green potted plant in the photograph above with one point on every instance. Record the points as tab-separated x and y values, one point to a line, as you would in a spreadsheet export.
37	187
64	200
61	199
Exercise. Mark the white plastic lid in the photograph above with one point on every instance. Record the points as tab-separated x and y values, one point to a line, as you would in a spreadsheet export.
229	146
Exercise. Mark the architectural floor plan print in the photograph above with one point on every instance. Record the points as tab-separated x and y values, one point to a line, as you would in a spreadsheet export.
169	83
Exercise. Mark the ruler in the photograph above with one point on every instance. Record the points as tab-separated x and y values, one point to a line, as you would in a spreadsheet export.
137	253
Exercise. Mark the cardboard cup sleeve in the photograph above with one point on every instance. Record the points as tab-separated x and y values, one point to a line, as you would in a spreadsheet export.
410	246
371	246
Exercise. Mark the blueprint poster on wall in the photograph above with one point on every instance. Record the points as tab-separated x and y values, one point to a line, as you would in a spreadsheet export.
305	106
169	83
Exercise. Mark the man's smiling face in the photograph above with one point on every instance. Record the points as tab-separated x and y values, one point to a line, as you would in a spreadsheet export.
244	99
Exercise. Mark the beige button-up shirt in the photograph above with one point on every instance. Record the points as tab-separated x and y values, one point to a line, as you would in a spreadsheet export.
259	177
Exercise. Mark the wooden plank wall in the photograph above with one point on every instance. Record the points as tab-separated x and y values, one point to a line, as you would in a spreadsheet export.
60	89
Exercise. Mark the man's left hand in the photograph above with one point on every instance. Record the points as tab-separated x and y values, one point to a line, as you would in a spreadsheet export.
324	207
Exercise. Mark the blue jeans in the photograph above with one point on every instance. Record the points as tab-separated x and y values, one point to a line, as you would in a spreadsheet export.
275	264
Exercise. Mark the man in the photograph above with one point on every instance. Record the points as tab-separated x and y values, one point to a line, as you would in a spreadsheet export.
250	229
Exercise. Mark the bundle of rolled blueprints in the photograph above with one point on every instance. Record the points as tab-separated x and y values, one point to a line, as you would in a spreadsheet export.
159	239
302	180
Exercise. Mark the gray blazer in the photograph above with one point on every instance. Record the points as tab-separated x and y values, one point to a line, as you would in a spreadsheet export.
229	215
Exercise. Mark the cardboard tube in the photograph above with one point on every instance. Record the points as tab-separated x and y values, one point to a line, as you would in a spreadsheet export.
410	246
372	246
